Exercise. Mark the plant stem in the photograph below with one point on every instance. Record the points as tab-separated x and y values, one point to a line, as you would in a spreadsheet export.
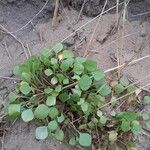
70	85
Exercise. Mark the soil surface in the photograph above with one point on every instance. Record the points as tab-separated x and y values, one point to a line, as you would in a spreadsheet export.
132	40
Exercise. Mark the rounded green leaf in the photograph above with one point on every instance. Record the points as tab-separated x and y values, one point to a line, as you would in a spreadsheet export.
99	113
48	90
131	145
72	141
61	118
124	81
26	77
119	88
25	88
85	139
27	115
105	90
54	80
53	125
34	99
98	74
58	88
12	97
85	82
77	92
41	133
84	106
145	116
147	100
55	93
76	77
82	100
53	112
59	135
125	126
91	125
58	47
129	116
16	70
147	123
45	60
66	81
14	109
54	61
78	68
64	97
41	112
113	100
90	65
48	72
61	77
95	120
136	127
131	88
65	65
5	106
80	59
46	52
51	101
103	120
67	54
113	136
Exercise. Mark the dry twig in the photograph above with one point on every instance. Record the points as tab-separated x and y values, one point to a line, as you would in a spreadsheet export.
84	2
110	43
94	31
88	23
30	21
124	64
16	38
6	48
2	141
9	78
55	13
30	54
118	52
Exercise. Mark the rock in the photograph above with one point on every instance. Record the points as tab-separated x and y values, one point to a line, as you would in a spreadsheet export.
69	42
101	38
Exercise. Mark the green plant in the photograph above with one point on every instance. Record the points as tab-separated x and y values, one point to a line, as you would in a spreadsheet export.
62	91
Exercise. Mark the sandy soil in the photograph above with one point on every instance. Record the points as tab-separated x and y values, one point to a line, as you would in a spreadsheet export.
133	42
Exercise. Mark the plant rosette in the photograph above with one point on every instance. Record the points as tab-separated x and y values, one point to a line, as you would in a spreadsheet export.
63	91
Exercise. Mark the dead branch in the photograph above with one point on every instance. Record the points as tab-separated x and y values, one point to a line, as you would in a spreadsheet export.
124	64
30	21
80	13
16	38
89	22
55	13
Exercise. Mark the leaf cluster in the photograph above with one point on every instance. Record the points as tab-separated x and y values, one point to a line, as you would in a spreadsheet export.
62	91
